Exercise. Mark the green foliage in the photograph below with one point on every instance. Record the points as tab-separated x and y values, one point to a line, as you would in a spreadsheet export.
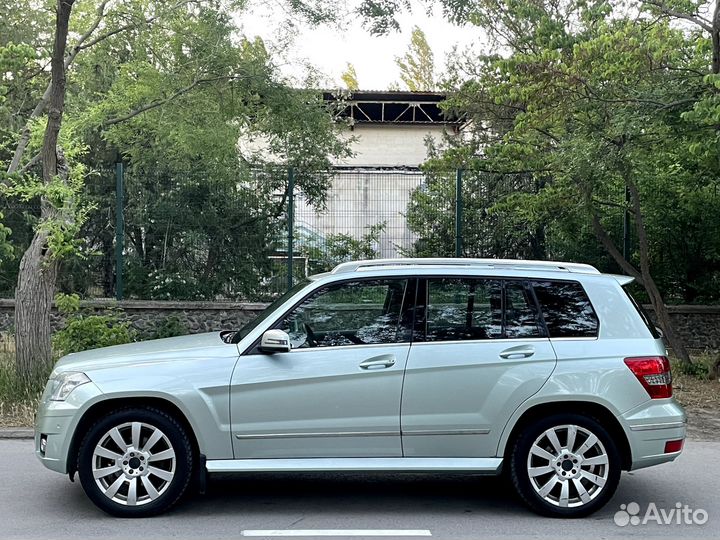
339	248
83	332
704	366
6	249
67	303
417	65
170	326
349	77
171	96
584	109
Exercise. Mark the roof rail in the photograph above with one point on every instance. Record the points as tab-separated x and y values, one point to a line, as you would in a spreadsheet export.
510	264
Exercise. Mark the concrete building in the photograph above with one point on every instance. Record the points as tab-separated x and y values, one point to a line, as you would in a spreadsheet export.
388	133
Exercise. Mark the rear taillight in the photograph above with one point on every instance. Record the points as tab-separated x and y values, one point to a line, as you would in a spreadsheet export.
654	374
673	446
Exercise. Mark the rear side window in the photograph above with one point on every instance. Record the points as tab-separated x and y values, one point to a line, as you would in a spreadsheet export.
566	309
456	309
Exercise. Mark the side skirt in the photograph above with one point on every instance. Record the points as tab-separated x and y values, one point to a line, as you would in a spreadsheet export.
489	466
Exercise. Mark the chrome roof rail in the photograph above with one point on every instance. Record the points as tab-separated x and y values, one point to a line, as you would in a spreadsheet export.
509	264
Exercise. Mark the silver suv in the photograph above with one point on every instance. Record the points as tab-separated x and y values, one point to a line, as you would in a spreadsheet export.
549	371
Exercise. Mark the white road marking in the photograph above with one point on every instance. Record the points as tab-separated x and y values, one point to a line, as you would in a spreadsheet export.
337	532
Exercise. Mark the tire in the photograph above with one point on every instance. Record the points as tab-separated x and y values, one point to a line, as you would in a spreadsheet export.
135	462
552	484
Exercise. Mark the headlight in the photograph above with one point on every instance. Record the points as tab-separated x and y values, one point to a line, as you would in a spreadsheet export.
66	382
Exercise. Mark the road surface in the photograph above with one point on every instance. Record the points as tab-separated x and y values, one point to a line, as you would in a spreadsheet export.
37	503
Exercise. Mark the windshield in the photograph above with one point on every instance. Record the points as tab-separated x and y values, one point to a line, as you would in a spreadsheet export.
267	312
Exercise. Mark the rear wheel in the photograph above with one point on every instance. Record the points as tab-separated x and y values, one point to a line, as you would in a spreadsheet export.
135	462
565	466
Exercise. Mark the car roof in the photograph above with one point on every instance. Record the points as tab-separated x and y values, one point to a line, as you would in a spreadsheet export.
447	263
460	266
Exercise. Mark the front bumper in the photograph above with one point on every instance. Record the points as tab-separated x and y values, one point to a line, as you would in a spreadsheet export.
56	422
649	427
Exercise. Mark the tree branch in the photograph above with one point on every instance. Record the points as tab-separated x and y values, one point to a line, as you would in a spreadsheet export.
81	44
604	238
702	22
160	102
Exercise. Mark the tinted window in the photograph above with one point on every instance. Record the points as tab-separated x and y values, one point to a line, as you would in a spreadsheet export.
459	309
465	309
352	313
521	318
566	309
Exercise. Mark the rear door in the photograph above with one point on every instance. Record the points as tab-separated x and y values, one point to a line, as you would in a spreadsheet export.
479	350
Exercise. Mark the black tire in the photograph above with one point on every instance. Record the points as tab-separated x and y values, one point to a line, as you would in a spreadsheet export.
523	483
170	491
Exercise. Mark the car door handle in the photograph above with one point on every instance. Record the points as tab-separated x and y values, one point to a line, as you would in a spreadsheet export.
378	362
517	352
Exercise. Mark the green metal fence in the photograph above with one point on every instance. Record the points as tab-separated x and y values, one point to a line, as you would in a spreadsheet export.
252	237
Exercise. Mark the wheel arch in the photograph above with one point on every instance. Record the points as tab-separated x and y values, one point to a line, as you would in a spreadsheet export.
106	406
589	408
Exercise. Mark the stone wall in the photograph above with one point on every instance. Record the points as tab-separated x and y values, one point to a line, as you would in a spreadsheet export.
699	326
143	315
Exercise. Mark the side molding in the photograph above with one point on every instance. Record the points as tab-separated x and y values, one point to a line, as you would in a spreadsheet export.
490	466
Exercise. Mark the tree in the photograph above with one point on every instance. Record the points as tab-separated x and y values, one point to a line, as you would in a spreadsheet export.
593	109
349	77
417	65
163	65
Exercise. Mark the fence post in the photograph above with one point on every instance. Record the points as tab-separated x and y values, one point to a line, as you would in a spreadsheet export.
458	213
119	229
290	219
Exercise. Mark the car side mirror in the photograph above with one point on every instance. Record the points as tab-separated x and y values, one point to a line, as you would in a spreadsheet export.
274	341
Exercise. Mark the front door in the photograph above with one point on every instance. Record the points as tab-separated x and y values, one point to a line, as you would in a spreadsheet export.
337	393
479	351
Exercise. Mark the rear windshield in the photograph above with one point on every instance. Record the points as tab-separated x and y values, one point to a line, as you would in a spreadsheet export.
566	309
644	316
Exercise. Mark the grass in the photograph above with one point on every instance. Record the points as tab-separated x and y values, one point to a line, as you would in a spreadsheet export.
18	399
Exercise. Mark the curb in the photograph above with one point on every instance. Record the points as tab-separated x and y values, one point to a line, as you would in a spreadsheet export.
17	433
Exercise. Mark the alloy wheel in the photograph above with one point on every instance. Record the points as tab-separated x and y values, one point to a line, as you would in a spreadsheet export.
568	466
133	463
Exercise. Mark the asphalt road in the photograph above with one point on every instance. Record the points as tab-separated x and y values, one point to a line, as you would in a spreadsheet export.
37	503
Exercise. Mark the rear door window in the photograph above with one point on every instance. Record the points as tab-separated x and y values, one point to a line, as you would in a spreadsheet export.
458	309
566	309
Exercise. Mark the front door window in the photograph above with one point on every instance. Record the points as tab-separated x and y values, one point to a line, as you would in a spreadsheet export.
352	313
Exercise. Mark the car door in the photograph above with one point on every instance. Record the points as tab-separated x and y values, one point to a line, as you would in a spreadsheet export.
479	351
337	393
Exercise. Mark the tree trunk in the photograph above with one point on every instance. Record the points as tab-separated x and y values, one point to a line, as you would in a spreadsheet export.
663	317
38	267
33	300
642	276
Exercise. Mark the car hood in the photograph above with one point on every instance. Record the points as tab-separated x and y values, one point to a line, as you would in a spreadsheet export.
156	350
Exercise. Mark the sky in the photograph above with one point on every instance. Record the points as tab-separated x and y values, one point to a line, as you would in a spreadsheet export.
329	49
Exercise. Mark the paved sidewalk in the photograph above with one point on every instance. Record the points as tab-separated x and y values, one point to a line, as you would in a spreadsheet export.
16	433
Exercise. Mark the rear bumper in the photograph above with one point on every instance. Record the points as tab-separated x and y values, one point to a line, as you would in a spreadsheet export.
649	427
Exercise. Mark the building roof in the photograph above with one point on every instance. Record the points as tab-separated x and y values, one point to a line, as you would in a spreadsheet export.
391	107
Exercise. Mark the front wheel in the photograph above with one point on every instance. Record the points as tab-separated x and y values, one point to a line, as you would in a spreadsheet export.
135	462
565	466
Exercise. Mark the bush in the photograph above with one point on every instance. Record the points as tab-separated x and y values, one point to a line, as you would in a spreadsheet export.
705	366
83	332
169	327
